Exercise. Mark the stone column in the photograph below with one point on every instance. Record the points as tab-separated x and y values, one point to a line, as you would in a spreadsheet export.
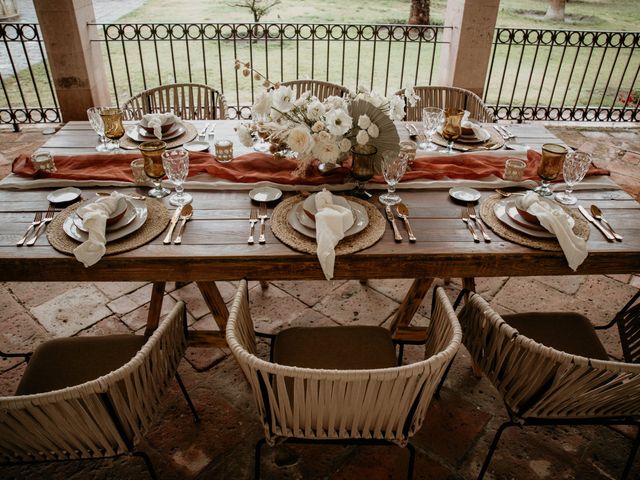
76	64
464	62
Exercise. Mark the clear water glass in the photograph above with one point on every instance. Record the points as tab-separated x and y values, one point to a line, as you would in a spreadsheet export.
93	114
394	166
575	167
431	119
176	166
261	144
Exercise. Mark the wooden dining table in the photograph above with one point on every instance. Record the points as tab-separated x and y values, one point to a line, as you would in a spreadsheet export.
214	246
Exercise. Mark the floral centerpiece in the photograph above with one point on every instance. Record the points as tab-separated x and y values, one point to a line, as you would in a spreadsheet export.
323	130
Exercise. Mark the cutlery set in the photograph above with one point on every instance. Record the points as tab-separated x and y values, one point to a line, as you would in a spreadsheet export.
471	218
600	222
181	214
39	225
504	133
402	211
256	214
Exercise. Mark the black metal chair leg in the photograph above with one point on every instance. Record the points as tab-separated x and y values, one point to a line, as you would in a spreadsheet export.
436	394
400	354
194	412
493	447
147	462
632	455
259	445
412	460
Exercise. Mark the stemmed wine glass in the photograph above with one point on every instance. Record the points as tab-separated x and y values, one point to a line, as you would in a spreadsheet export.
93	114
152	153
176	166
574	169
452	128
431	120
550	166
261	144
394	166
362	168
113	128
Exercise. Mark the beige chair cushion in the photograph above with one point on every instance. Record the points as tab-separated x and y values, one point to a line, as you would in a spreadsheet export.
568	332
335	348
65	362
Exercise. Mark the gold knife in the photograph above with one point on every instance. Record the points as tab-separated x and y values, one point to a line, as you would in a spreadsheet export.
172	225
396	233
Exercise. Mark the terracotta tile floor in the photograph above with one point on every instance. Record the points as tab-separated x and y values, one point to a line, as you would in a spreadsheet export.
459	427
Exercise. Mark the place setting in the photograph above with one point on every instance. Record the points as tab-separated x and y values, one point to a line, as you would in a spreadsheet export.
165	127
459	133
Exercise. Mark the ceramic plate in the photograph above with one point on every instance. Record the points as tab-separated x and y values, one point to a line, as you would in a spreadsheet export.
309	204
64	195
126	219
74	232
500	209
484	136
118	213
513	213
137	134
465	194
306	219
359	213
265	194
196	146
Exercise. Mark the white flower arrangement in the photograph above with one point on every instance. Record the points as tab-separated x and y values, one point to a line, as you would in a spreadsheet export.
324	130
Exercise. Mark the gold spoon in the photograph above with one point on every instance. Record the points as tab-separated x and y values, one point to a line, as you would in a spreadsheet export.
185	215
597	213
403	213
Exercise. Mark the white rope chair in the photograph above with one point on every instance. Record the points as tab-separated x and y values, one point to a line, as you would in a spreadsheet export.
541	385
318	88
103	417
383	405
448	97
189	101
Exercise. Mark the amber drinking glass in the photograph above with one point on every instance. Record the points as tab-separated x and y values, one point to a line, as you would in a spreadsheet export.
113	128
550	166
362	167
152	153
452	129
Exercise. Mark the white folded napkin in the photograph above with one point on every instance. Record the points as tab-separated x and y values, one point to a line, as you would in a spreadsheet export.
557	221
94	218
466	123
331	223
157	120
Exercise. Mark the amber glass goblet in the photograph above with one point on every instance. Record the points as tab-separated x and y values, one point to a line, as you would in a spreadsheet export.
362	167
152	153
550	166
113	127
452	128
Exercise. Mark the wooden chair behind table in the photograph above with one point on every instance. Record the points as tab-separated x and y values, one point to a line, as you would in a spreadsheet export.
448	97
341	384
551	369
87	398
318	88
189	101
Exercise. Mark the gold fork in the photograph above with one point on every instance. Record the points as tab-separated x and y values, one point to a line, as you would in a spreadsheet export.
472	214
465	219
253	218
262	215
37	219
43	225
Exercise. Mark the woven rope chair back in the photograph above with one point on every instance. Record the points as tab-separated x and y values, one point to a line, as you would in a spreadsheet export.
540	382
448	97
189	101
100	418
318	88
628	321
385	404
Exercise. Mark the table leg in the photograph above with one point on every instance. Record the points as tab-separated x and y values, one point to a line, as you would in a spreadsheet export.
216	304
155	307
410	304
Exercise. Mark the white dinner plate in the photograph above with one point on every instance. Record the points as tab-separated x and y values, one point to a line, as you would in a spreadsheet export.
74	232
359	213
128	217
137	134
500	209
64	195
513	213
483	137
265	194
306	220
465	194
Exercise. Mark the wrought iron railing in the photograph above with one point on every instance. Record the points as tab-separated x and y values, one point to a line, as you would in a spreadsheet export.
28	95
564	75
380	57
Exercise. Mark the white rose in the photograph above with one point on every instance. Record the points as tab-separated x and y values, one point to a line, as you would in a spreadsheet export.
335	102
317	127
364	121
315	110
373	130
344	145
326	152
244	134
302	99
299	139
283	99
362	138
262	105
338	121
324	136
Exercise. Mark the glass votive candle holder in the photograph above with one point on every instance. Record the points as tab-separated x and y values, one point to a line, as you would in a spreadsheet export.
514	169
224	151
43	162
408	149
139	175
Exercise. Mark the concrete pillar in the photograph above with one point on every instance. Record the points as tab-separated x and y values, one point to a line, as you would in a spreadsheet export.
464	62
76	64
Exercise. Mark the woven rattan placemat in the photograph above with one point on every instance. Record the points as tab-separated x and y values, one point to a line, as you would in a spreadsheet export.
157	220
493	143
581	228
354	243
190	133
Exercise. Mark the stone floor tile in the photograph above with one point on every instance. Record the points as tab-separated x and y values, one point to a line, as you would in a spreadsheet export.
72	311
635	281
606	294
271	308
108	326
395	289
10	378
122	305
354	303
190	294
114	290
567	283
32	294
138	318
309	292
596	134
621	278
9	306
